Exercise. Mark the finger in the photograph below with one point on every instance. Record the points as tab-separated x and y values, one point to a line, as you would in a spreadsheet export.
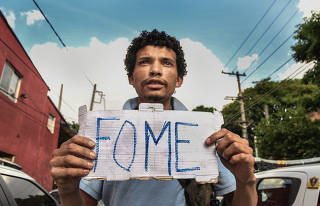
71	161
228	139
60	172
75	149
235	148
215	136
242	158
83	141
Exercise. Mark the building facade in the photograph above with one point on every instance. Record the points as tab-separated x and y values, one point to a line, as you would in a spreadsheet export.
29	121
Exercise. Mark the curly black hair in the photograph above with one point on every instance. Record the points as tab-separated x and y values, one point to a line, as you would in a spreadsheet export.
154	38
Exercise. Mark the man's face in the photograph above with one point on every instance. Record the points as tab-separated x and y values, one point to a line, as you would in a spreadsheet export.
155	75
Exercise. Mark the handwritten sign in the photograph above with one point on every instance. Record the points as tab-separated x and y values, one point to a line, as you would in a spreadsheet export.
151	143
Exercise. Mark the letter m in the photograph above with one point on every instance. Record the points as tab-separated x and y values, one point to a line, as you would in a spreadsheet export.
148	133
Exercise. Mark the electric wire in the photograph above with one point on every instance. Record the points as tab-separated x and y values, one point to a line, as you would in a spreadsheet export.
27	114
229	120
269	43
270	91
276	70
254	28
258	99
264	61
85	75
267	29
47	20
65	102
23	62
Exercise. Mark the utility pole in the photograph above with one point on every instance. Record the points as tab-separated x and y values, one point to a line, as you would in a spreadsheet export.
100	93
60	97
266	112
243	122
93	94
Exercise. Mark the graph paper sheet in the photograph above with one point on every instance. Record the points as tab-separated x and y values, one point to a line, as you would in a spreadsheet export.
151	143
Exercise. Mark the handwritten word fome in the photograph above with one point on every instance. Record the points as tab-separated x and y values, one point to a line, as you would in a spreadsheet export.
133	144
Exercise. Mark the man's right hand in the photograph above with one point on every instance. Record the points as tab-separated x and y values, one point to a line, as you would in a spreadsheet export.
73	160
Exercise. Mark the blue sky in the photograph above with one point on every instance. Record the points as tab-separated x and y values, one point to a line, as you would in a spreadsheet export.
98	32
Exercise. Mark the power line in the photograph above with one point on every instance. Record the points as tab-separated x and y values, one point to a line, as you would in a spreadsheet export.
27	114
269	92
85	75
34	71
264	61
49	23
245	40
262	35
66	103
280	67
269	43
258	99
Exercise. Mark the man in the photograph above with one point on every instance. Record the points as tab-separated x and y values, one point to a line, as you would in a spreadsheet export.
155	66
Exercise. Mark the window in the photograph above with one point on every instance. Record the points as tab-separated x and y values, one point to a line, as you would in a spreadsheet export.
9	82
27	193
277	191
51	123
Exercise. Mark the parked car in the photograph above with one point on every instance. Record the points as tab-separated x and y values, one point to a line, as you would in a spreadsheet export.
19	189
56	196
294	185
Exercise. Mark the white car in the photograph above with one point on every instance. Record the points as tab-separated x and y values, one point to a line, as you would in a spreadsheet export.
294	185
17	188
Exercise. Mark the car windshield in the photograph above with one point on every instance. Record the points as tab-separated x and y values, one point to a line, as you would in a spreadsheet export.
26	193
277	191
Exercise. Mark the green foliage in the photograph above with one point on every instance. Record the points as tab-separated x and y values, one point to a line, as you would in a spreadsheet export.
202	108
234	128
75	126
289	103
288	134
229	111
307	48
313	75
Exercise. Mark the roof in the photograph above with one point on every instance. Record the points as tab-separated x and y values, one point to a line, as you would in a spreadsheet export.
10	164
14	172
308	168
5	20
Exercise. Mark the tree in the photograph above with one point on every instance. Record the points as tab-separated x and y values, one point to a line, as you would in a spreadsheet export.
202	108
313	75
307	48
289	103
75	126
288	134
232	127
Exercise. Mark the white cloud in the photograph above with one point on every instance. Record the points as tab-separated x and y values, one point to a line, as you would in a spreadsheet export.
9	16
295	71
32	16
245	62
103	64
306	6
204	83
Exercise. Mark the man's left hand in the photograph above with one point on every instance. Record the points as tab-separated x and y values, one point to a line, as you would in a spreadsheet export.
235	154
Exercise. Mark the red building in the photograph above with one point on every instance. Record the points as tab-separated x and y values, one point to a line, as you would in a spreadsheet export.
29	121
